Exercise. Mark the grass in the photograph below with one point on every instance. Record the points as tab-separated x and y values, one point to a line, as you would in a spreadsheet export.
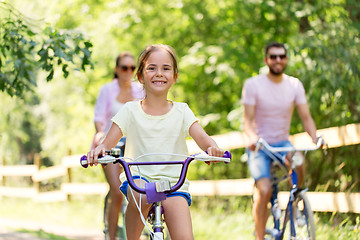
42	234
213	218
80	212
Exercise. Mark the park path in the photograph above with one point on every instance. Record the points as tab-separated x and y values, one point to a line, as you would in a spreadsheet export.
9	231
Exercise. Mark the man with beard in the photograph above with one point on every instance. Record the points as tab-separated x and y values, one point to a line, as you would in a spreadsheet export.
269	100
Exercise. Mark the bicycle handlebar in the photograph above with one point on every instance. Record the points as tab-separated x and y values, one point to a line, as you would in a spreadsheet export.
185	164
262	142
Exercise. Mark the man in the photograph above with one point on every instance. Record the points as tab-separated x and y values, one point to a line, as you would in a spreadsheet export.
269	101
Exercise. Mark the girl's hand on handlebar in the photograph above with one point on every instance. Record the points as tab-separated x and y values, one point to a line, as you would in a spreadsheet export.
92	155
216	152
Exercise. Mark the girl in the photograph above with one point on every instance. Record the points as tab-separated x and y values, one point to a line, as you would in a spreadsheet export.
156	124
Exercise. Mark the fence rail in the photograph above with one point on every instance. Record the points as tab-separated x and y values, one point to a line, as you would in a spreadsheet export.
320	201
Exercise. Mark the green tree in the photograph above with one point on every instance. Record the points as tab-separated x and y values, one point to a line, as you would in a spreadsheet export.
219	44
29	52
25	48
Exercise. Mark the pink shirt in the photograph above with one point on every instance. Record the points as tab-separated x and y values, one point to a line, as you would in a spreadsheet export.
106	98
274	104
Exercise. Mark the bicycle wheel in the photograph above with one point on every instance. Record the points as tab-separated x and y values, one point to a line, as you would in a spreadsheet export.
105	213
121	232
303	219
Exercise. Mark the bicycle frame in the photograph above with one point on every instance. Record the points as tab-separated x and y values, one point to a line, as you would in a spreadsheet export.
280	232
155	191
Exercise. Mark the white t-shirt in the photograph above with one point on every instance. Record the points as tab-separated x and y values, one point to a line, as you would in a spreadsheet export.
156	134
274	104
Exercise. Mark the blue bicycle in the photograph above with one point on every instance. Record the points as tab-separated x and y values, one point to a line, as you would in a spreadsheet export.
297	219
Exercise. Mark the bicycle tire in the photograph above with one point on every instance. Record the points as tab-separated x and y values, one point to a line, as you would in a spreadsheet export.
121	232
106	232
304	224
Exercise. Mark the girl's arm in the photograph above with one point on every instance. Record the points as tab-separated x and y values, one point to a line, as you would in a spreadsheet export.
204	141
111	139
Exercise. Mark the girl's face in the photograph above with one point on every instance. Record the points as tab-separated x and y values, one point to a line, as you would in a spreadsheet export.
158	74
125	68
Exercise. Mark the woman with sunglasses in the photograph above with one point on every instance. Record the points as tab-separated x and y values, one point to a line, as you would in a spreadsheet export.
111	98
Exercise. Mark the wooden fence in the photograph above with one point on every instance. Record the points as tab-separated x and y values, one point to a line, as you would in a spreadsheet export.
320	201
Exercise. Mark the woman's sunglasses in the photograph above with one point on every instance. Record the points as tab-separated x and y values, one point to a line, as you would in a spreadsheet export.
126	68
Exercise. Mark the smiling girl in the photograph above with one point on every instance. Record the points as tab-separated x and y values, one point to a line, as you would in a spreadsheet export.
157	125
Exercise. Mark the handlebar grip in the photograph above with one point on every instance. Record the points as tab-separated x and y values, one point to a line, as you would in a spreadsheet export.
83	161
227	154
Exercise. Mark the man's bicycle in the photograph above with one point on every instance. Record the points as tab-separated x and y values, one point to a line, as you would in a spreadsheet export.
297	219
155	191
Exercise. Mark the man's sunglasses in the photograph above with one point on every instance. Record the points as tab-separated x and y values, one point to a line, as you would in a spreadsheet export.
125	68
274	56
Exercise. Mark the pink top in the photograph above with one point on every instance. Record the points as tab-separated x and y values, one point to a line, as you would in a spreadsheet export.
106	98
274	104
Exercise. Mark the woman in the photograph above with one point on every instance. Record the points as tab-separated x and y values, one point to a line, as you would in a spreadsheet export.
111	98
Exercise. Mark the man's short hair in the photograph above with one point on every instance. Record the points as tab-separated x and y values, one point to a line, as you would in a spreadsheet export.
274	44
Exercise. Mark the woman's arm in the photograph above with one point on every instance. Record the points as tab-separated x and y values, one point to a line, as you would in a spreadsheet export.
100	133
204	141
111	139
101	112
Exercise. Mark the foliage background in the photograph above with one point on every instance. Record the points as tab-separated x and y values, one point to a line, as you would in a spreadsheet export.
220	44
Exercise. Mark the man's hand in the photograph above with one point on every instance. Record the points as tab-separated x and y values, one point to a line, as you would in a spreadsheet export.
252	147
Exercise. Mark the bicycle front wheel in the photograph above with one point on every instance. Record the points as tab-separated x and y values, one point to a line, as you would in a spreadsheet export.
303	219
105	214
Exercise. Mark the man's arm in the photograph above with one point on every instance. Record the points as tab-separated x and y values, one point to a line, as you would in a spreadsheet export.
249	125
307	120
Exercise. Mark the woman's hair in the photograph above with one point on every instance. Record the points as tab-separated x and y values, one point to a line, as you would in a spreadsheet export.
144	55
120	57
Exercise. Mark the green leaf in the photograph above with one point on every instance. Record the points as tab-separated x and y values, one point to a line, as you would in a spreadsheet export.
50	75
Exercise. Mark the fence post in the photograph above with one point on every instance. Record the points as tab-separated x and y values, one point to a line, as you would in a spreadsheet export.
3	180
69	175
37	163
